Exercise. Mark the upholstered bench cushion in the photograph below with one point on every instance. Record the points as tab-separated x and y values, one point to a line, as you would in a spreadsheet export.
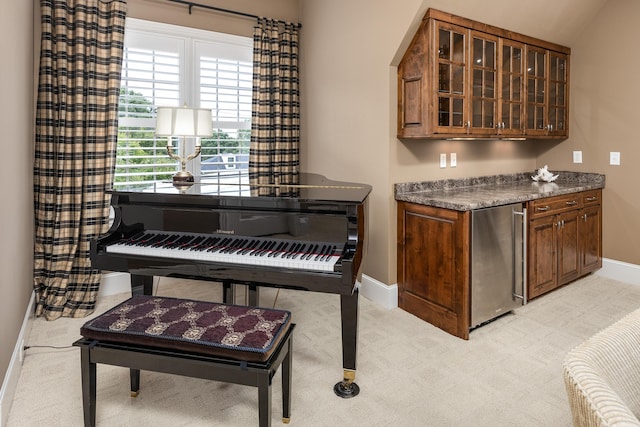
239	332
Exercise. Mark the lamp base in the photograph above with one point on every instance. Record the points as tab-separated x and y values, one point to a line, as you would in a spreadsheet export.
183	178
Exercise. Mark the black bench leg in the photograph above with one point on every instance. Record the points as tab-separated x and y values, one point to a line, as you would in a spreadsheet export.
286	383
135	381
88	387
264	399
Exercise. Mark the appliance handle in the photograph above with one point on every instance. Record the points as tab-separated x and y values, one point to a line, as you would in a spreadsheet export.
523	230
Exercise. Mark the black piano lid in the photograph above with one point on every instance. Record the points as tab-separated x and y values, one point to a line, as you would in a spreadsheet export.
230	191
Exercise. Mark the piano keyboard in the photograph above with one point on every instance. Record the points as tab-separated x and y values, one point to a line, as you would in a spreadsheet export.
301	255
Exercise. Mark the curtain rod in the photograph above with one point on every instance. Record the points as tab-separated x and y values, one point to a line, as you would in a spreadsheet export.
219	9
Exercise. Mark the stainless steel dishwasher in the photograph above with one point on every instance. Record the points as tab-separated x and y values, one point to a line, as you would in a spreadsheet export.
498	261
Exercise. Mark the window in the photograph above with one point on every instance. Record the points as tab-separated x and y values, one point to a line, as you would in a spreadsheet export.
168	65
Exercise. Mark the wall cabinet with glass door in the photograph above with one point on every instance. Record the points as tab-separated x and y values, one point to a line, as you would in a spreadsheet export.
547	93
464	79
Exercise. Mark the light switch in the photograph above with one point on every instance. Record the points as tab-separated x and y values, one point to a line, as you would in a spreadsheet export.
614	158
454	160
577	157
443	160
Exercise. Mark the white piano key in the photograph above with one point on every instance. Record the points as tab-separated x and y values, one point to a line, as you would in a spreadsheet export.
246	250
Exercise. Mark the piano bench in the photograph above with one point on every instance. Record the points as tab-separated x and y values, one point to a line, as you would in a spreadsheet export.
220	342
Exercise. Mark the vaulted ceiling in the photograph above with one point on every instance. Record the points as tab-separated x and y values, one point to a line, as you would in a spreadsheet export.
558	21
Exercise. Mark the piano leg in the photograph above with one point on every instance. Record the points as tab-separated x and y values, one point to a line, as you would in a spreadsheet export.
141	285
349	314
229	293
254	295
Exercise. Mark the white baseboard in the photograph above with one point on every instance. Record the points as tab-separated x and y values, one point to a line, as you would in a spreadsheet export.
378	292
621	271
15	364
372	289
114	283
387	295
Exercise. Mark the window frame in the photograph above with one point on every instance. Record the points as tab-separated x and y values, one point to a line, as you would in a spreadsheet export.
190	45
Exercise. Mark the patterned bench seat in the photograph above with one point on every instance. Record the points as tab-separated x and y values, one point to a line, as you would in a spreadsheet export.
221	342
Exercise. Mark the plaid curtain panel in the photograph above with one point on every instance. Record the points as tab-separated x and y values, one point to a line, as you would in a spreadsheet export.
76	134
274	157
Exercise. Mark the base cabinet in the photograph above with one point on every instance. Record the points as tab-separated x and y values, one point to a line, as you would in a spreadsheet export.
564	240
434	253
433	266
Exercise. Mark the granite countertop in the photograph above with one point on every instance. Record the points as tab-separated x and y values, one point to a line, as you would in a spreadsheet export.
486	191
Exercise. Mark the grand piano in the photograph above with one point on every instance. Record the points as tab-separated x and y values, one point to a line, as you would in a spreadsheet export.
309	236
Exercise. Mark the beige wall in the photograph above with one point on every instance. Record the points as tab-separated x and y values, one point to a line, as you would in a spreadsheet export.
349	52
605	118
16	189
173	13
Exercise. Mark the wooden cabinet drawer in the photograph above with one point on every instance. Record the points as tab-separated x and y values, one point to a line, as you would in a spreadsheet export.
591	197
554	205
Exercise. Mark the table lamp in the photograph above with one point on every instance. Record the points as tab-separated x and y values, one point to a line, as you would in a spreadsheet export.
183	122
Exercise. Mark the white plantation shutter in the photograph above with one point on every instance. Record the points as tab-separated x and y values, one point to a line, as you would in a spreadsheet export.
167	65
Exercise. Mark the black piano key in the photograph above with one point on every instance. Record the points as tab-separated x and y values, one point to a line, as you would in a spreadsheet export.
206	244
320	253
250	247
193	244
226	244
176	241
278	247
159	238
260	249
286	250
142	236
300	251
220	244
292	250
330	252
309	254
237	246
268	248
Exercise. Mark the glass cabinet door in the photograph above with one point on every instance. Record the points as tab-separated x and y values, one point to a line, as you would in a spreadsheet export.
511	106
451	70
536	106
484	77
558	97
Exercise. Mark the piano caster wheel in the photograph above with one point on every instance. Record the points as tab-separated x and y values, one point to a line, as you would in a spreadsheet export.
346	389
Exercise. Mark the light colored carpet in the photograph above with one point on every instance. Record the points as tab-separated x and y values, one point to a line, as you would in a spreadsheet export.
410	373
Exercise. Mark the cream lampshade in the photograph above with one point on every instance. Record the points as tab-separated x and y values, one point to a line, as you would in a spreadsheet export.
183	122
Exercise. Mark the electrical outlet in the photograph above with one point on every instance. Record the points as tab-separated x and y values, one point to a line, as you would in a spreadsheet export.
614	158
577	157
454	160
443	160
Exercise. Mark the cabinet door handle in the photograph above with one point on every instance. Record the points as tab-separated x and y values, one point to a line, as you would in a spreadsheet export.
591	199
543	208
571	203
